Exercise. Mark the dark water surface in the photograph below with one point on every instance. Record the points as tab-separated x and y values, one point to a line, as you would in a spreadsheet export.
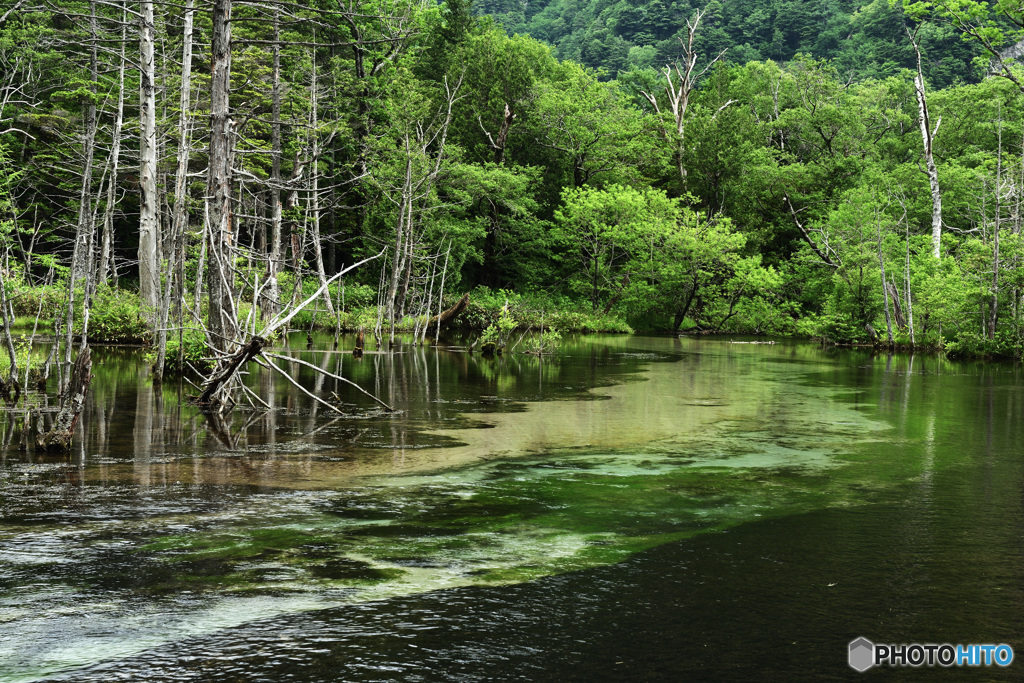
636	509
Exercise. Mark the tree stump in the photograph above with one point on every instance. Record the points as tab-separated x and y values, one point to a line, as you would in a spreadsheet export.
58	439
358	350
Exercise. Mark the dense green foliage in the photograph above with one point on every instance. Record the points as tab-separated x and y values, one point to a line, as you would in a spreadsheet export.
561	197
864	39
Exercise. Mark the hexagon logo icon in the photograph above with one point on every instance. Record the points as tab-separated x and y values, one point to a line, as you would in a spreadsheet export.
862	654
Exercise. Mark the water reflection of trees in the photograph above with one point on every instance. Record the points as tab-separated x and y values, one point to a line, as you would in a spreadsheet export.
127	418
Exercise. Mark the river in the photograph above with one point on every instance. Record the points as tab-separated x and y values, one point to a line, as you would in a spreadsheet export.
635	508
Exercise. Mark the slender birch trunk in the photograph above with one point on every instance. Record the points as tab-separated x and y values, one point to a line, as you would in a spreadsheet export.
85	224
994	308
272	296
318	254
149	224
107	241
928	138
885	295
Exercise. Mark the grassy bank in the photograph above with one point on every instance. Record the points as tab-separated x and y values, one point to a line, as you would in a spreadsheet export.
117	318
527	311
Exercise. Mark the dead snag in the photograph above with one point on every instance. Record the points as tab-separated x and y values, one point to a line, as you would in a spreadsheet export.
218	388
228	368
447	316
58	439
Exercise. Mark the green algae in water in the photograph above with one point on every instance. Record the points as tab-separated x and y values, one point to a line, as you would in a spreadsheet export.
509	521
561	509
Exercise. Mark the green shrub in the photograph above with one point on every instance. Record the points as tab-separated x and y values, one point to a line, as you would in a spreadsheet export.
196	352
116	317
23	353
533	311
974	345
42	300
547	342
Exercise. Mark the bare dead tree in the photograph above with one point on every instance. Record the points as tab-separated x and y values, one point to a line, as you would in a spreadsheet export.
221	311
680	82
107	240
180	216
928	134
271	300
220	386
149	225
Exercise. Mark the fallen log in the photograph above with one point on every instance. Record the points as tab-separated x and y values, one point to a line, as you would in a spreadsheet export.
447	316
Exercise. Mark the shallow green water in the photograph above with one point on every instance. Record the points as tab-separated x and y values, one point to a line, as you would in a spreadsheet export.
163	527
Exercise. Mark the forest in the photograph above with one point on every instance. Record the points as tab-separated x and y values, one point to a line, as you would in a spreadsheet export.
184	174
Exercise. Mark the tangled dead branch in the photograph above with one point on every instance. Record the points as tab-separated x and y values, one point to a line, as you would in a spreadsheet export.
220	386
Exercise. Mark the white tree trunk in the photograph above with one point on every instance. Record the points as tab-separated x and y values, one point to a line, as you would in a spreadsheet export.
149	225
272	297
107	241
928	138
318	254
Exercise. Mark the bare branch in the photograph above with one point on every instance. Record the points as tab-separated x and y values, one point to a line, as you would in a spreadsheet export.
291	359
302	388
276	324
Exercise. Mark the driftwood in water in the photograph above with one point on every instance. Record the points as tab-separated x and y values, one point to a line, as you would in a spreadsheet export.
58	439
329	374
447	316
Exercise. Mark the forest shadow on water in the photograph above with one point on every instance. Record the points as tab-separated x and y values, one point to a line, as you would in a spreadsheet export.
633	508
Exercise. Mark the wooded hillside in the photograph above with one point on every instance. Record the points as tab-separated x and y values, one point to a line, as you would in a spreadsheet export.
226	159
862	39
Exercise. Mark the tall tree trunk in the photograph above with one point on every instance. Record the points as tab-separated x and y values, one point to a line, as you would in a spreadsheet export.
296	236
994	308
928	137
179	222
403	227
910	303
272	296
885	290
318	254
107	241
222	318
149	223
80	255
